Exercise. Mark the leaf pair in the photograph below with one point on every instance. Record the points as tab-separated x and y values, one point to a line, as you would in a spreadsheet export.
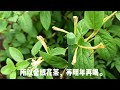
9	69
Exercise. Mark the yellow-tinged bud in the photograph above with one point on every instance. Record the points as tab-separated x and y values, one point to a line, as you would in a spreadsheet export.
75	18
95	47
74	57
59	29
41	39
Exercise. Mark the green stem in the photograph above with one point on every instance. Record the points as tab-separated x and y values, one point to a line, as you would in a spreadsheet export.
92	35
91	40
29	59
108	17
70	42
70	57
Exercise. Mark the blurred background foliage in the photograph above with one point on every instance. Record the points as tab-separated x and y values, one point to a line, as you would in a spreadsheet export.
15	32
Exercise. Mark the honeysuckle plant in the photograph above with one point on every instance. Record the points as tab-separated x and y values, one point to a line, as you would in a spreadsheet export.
83	57
31	42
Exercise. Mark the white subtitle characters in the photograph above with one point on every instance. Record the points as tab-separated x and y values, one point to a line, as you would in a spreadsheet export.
69	72
88	72
76	72
36	72
82	72
42	72
56	72
49	72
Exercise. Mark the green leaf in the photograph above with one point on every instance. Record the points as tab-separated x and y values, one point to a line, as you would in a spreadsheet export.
13	75
2	52
9	35
82	28
110	49
102	70
112	65
29	46
18	12
85	58
118	16
25	22
6	70
94	19
108	23
16	43
10	63
33	13
3	25
20	37
36	48
109	62
117	65
22	65
108	12
38	26
24	50
102	66
54	61
117	41
48	34
13	19
57	16
58	51
115	30
6	14
33	32
16	27
5	43
45	18
2	58
69	26
110	75
101	61
7	53
16	54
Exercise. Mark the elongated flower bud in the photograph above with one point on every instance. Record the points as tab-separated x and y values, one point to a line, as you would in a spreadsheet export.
59	29
74	57
95	47
41	39
75	18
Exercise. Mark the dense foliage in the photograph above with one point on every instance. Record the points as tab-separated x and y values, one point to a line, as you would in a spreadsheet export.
40	39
